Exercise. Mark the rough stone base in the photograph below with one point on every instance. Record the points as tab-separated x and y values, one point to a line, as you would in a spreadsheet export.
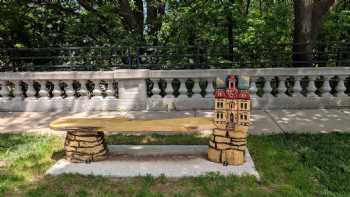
85	146
228	147
155	160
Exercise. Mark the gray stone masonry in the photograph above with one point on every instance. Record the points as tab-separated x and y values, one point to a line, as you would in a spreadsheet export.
169	90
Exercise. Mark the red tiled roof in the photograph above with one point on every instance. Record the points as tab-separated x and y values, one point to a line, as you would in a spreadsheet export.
220	93
244	95
231	93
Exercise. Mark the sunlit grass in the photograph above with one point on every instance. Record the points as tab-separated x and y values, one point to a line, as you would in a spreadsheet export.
26	158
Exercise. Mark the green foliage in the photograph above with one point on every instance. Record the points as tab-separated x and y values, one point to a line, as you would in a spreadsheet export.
28	24
261	30
63	23
157	139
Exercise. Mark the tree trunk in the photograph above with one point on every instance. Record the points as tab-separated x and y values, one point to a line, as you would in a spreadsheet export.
129	18
155	11
230	37
308	18
302	49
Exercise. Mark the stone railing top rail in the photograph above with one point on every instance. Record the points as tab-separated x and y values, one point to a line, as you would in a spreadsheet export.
76	75
324	71
145	73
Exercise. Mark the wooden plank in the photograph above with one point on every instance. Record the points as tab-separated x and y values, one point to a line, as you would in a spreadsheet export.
189	124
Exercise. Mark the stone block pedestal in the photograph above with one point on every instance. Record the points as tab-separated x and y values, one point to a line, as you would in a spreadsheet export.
227	147
86	147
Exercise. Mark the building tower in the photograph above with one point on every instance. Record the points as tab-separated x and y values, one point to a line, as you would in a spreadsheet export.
227	144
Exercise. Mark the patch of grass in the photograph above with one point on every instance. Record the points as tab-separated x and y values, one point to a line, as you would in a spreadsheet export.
26	159
329	158
158	139
315	164
289	165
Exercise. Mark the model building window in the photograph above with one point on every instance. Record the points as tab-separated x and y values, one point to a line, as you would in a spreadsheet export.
222	116
241	116
245	117
241	105
245	105
219	105
217	115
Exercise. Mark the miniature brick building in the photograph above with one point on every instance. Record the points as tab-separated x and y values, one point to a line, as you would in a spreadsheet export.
227	144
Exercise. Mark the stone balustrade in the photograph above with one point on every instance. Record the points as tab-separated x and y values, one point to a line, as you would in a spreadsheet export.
122	90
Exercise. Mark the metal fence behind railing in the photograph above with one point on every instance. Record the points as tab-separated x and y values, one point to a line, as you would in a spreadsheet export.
169	57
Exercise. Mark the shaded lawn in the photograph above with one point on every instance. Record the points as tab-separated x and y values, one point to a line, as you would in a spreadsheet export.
290	165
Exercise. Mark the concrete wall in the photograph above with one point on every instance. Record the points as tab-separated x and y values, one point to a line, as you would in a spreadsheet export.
123	90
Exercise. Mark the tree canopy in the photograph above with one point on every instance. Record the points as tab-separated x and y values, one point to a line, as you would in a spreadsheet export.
253	29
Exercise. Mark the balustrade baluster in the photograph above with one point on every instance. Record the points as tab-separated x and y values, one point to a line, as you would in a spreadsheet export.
282	88
56	92
97	91
326	87
69	89
43	93
83	92
297	86
17	92
30	91
253	89
311	89
156	90
341	88
196	90
210	89
110	89
169	89
183	89
267	87
4	90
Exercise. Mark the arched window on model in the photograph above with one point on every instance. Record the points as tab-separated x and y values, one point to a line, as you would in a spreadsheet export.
232	84
245	105
219	104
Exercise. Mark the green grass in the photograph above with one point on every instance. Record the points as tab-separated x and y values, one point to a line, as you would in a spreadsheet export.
290	165
157	139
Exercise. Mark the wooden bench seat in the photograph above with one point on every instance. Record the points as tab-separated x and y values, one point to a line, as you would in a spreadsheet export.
188	124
